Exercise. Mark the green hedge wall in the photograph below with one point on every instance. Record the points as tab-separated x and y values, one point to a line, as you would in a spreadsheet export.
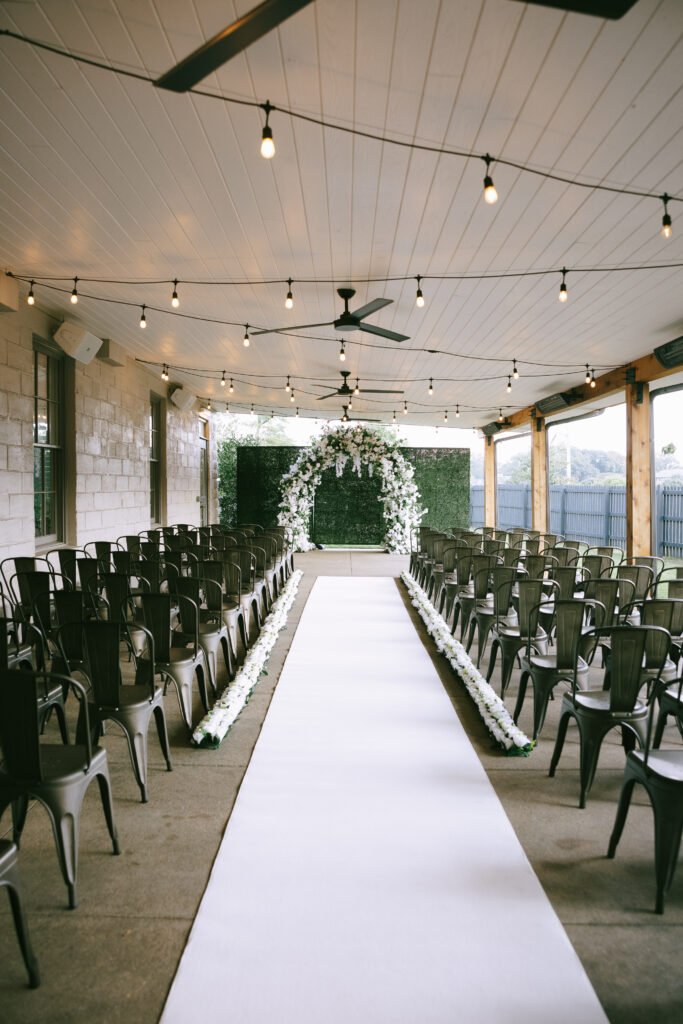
346	509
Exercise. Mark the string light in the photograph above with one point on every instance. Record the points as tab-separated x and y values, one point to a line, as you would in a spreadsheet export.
231	388
457	412
419	297
74	294
143	318
291	397
252	409
297	412
342	353
500	415
350	402
267	144
30	298
223	380
515	371
405	408
164	372
289	301
445	416
393	416
245	341
208	406
490	194
509	385
563	287
175	301
288	386
227	406
588	374
593	378
666	219
356	390
430	389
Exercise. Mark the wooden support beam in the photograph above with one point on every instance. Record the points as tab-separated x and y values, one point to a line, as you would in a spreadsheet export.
489	482
539	475
638	470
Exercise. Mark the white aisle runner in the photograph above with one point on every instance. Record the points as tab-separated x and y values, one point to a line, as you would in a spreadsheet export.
368	874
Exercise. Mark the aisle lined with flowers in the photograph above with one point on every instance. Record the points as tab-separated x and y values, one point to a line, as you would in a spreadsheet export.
368	871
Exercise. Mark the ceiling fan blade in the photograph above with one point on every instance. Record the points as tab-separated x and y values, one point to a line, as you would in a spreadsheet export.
296	327
228	43
363	419
371	307
332	394
379	391
599	8
391	335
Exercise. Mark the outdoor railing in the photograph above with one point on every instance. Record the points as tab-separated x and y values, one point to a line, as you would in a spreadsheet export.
596	515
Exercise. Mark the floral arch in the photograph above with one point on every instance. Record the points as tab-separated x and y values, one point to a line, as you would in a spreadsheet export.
363	446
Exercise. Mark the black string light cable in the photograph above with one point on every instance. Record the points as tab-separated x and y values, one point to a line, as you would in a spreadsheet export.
268	108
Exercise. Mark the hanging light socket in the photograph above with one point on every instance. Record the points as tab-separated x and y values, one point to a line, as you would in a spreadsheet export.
30	298
231	388
515	371
490	194
457	412
164	372
267	144
223	380
666	219
175	301
289	301
74	294
143	318
288	386
245	340
342	353
563	287
509	385
419	297
356	390
445	416
430	389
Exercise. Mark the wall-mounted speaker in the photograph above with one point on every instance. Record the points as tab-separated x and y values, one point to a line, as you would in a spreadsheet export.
77	342
183	399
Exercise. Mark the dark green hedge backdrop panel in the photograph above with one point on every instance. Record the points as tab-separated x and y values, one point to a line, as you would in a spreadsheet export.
346	508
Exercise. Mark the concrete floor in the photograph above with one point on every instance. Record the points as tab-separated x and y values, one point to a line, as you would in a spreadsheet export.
113	958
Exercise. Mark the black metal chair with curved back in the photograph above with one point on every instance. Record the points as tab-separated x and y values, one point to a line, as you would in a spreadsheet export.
597	711
510	637
213	632
482	565
249	596
660	772
131	706
486	612
227	605
564	665
10	880
57	775
176	664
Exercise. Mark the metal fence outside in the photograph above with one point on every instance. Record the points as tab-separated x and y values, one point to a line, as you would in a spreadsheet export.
596	515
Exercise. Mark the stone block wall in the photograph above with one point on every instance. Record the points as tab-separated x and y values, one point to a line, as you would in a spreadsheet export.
108	492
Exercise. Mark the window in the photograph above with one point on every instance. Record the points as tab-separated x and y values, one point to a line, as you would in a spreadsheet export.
155	459
48	452
513	482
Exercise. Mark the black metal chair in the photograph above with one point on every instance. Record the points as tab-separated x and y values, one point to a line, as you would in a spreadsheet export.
597	711
57	775
509	637
660	772
9	878
207	595
131	706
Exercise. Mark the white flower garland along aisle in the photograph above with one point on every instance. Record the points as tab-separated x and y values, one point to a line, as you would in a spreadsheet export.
213	727
399	493
496	716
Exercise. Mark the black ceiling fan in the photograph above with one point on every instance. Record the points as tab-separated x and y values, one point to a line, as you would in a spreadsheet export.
346	392
614	9
345	418
348	321
228	43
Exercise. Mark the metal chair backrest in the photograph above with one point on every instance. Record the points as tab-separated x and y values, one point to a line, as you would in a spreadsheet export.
511	557
628	645
463	567
640	575
502	580
246	560
654	562
535	566
569	617
530	595
606	591
448	556
102	642
88	569
482	566
667	613
156	614
597	565
565	577
493	547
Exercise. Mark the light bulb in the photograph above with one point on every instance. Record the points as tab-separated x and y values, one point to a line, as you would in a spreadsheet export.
223	380
342	353
500	415
175	301
430	389
405	408
350	406
592	378
291	397
30	298
490	194
287	385
445	416
208	406
289	301
231	388
143	319
267	144
509	386
457	412
393	418
515	371
164	372
588	375
74	294
666	219
227	406
356	390
297	412
252	409
245	341
419	297
563	287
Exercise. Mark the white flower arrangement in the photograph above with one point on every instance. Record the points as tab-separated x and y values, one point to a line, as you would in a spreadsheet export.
495	715
399	493
214	726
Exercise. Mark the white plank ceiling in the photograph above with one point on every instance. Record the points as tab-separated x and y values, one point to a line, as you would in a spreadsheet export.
104	176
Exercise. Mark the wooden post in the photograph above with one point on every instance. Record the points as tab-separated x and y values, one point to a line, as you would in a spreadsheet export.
539	475
638	471
489	482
